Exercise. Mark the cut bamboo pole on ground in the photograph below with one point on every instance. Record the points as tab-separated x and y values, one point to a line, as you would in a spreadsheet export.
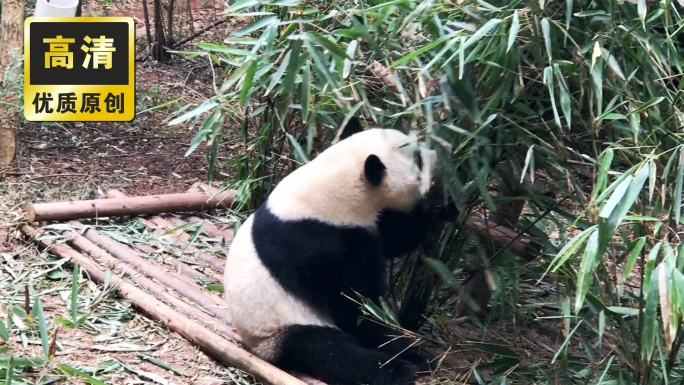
95	252
210	342
179	238
192	291
153	204
212	230
524	247
204	268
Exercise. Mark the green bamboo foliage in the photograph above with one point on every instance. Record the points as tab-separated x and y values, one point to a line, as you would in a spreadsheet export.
556	88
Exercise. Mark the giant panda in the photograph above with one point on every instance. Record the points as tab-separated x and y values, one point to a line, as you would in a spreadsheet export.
323	235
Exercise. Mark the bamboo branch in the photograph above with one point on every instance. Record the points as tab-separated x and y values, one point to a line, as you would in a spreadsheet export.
175	281
210	342
212	230
184	268
182	239
98	254
206	273
153	204
200	32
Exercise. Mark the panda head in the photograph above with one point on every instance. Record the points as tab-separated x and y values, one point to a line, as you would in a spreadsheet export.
394	169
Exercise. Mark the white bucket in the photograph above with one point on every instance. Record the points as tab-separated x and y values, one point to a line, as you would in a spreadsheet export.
56	8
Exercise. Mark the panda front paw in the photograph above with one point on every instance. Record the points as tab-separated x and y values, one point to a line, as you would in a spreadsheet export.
421	362
398	372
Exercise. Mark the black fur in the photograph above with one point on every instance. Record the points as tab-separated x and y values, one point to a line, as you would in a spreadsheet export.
338	358
316	262
402	232
374	170
353	127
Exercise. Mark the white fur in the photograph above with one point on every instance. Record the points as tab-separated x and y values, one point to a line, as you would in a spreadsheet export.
331	188
258	305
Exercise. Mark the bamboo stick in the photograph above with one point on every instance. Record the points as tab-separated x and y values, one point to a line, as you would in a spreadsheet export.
212	230
181	238
206	271
192	291
183	267
89	248
502	235
153	204
210	342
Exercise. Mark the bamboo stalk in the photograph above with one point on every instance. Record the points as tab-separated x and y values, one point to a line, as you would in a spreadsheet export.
209	227
192	291
206	270
153	204
85	246
183	267
212	230
502	235
210	342
182	239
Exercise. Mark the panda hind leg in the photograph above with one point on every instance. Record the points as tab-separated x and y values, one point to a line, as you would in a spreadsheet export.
335	357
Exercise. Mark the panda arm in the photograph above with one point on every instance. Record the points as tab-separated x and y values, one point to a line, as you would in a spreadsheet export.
402	232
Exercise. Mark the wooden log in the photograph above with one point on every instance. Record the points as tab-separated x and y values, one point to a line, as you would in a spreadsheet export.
183	267
216	346
181	239
501	235
190	290
153	204
208	227
177	222
98	254
112	194
204	269
212	230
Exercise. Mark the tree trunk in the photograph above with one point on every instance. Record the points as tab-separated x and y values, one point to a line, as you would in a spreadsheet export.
11	49
159	53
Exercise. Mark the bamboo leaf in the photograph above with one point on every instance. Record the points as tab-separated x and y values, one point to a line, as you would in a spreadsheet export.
292	69
247	83
642	10
191	114
612	63
546	30
606	160
548	79
75	372
74	293
328	44
417	53
677	199
564	94
300	155
275	78
590	260
351	49
515	27
306	93
4	332
254	26
631	260
38	308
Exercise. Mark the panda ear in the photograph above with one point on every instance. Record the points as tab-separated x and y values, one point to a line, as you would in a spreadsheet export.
374	170
352	127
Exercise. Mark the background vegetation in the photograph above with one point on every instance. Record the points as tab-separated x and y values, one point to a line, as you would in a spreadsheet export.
584	96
